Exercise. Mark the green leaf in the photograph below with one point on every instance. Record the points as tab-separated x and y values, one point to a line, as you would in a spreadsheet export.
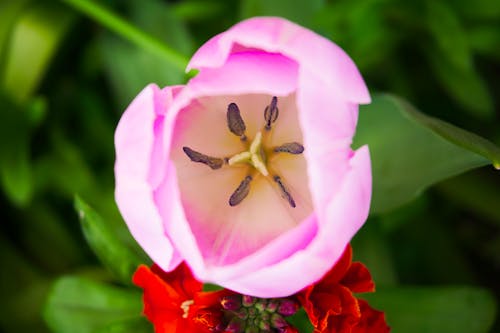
299	11
135	325
131	68
411	151
482	9
301	321
15	165
23	289
9	13
485	39
435	310
451	60
34	40
80	305
112	252
372	249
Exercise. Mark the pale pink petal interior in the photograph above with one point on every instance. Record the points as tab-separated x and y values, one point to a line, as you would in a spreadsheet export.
227	234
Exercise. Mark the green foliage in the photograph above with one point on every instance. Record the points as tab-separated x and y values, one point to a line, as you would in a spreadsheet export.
435	309
81	305
411	151
300	11
112	252
131	68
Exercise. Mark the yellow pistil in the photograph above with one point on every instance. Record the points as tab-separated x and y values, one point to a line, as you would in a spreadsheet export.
253	156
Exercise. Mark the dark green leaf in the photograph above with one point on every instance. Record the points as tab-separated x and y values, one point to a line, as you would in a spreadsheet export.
299	11
15	164
23	290
435	310
451	58
411	151
135	325
485	40
371	248
301	321
476	193
80	305
481	10
112	252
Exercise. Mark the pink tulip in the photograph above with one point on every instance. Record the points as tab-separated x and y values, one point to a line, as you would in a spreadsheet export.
246	172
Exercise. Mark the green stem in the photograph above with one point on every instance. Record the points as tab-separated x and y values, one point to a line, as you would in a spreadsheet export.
117	24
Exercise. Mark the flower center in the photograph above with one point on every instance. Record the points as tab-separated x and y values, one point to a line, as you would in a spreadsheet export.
256	157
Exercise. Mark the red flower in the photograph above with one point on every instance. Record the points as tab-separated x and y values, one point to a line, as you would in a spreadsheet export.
174	301
371	320
331	305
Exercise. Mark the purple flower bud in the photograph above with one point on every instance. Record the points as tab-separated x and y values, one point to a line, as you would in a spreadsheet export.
242	313
234	326
272	305
288	307
261	304
231	302
248	300
278	321
264	326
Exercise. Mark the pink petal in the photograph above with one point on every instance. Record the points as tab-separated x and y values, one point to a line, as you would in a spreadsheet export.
330	64
135	142
245	73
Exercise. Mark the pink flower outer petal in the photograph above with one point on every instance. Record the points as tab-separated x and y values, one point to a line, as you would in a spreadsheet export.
272	271
135	141
314	53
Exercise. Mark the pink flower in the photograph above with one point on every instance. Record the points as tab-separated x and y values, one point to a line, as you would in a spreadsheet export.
246	172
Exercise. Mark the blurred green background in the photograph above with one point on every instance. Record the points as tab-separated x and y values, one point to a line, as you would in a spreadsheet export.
66	78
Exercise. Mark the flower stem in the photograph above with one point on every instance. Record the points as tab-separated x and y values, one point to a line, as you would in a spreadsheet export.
123	28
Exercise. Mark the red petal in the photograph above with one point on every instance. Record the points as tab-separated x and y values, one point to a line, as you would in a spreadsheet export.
358	279
181	279
338	270
372	321
335	311
163	296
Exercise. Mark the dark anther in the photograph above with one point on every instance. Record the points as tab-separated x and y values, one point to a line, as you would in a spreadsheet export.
291	148
235	122
213	162
241	192
284	191
271	113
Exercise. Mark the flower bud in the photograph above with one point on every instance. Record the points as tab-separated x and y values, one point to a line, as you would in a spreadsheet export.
278	321
234	326
231	302
272	305
287	329
248	300
288	307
